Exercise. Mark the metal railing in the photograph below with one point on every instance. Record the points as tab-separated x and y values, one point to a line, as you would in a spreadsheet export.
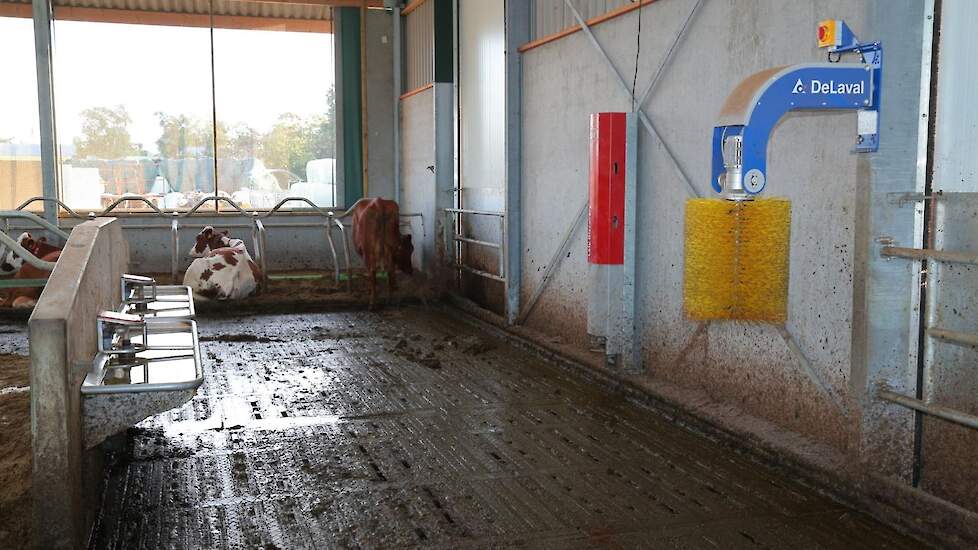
256	224
454	235
924	405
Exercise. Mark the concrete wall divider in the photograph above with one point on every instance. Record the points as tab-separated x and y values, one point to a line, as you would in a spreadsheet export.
66	478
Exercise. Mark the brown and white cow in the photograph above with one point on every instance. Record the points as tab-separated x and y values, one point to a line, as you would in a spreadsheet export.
25	297
11	261
378	240
223	269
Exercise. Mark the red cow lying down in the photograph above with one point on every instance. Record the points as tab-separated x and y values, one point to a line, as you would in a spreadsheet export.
26	297
378	240
223	269
10	262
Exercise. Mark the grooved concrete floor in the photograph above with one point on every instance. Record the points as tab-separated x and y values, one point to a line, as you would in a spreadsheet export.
408	428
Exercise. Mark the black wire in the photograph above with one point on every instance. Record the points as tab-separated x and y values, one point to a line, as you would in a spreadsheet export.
638	50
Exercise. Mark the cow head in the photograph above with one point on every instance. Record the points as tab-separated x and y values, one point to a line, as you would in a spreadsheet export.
209	239
403	255
10	262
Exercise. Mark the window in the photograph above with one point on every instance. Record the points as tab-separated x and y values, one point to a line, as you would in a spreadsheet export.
133	114
166	111
276	126
20	149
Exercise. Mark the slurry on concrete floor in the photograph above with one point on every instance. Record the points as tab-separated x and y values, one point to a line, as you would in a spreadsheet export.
410	428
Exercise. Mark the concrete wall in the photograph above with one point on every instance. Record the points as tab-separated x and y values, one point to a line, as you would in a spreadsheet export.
833	193
67	480
417	166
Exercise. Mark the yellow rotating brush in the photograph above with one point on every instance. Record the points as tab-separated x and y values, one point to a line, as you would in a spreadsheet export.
737	259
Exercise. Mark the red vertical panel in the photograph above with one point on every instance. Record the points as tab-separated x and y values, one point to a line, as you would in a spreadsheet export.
606	235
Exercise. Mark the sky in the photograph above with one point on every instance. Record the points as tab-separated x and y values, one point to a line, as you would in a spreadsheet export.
259	75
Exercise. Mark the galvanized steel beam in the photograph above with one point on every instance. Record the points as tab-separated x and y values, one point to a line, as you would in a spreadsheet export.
940	411
398	73
43	21
517	15
553	263
646	122
630	350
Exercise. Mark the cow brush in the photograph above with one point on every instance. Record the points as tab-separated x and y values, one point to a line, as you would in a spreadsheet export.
736	263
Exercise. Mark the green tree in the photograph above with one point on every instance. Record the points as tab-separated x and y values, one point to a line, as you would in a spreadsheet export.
184	136
241	142
105	133
294	141
286	145
324	130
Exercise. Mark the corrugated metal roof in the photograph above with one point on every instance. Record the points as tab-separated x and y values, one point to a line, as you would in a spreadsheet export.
273	10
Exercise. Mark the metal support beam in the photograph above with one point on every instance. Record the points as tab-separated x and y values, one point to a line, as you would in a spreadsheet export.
398	73
553	263
45	102
806	367
646	122
631	356
668	56
517	15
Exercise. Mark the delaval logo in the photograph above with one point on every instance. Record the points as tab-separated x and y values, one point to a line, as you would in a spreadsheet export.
830	88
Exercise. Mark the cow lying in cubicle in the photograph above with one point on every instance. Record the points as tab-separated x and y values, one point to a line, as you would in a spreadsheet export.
222	268
12	263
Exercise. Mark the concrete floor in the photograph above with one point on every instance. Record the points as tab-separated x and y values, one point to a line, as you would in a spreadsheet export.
409	428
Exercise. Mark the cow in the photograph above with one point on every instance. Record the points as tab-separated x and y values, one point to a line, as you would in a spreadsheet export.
26	297
222	268
378	240
11	261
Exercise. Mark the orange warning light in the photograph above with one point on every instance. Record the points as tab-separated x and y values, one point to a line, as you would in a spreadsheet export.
826	33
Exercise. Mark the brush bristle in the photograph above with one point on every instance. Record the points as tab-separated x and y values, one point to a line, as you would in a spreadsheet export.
737	259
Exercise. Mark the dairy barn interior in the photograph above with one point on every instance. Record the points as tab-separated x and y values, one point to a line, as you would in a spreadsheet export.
645	274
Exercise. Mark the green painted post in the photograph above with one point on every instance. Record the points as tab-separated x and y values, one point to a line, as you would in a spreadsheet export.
348	34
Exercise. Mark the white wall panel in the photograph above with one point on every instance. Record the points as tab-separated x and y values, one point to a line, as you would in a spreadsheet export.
419	53
955	161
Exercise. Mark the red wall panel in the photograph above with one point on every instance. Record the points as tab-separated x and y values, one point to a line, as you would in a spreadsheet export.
606	215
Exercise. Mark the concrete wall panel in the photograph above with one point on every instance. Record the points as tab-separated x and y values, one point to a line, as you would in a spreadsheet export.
417	156
809	162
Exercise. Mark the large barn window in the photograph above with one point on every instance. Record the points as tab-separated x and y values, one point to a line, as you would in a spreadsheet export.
276	123
133	112
20	154
166	103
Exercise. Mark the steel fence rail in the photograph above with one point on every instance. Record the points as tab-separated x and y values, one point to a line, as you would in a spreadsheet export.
939	411
259	228
454	235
